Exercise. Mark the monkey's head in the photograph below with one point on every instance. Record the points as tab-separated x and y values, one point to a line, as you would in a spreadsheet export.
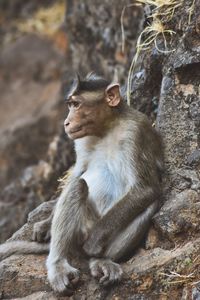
93	103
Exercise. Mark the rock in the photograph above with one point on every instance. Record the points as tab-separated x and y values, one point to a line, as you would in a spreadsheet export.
30	277
37	184
152	240
35	59
30	69
33	148
99	42
21	8
180	214
196	293
25	276
155	269
42	212
15	205
40	296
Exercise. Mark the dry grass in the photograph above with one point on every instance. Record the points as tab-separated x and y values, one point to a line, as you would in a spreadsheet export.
162	9
122	22
188	277
191	11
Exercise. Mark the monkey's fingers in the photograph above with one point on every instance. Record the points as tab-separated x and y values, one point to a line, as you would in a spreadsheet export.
38	236
94	269
107	271
41	232
47	236
112	274
74	278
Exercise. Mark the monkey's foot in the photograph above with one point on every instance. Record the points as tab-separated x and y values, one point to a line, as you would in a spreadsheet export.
61	275
41	231
106	271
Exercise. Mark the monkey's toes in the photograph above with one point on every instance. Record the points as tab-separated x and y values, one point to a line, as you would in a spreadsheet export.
106	270
63	277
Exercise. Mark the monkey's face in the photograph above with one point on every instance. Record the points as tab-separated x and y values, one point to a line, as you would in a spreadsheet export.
85	117
91	111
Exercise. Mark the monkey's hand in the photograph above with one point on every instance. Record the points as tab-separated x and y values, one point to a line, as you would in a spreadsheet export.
41	231
95	244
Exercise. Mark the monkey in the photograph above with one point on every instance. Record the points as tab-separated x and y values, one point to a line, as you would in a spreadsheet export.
115	187
114	190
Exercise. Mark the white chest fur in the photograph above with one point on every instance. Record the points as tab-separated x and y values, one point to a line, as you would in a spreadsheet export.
108	169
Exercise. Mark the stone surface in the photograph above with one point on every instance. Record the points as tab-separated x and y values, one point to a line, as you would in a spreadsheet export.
42	212
179	215
40	296
179	121
37	183
149	272
30	93
31	129
23	273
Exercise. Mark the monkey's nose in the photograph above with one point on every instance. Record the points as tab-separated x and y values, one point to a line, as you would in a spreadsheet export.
66	124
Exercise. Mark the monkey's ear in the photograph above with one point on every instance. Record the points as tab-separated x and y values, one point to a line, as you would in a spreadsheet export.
113	96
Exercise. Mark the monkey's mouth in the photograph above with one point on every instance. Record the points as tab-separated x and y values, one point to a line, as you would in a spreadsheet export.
75	130
75	133
79	131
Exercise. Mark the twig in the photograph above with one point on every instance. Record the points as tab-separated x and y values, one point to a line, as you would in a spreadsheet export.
191	10
194	283
174	274
122	23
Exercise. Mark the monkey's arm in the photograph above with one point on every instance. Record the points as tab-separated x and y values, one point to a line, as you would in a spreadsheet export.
118	218
66	226
67	216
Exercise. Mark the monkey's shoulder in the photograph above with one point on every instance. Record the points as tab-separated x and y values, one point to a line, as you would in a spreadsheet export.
142	124
139	118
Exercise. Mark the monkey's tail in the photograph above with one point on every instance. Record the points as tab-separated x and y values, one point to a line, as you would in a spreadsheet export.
22	247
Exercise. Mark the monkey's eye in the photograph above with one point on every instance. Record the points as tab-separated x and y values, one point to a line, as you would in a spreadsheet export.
74	104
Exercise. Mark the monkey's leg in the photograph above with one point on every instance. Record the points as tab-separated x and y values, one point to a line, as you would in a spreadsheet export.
109	271
66	225
118	218
131	236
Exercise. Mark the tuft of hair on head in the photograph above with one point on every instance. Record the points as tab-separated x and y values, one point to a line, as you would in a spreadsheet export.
74	87
93	82
92	87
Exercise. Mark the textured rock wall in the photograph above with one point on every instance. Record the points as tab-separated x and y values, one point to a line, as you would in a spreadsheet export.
32	109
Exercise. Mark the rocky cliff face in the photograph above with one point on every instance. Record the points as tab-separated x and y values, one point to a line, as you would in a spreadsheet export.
168	266
31	116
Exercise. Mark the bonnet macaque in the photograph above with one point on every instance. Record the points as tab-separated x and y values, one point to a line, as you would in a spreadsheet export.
107	204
